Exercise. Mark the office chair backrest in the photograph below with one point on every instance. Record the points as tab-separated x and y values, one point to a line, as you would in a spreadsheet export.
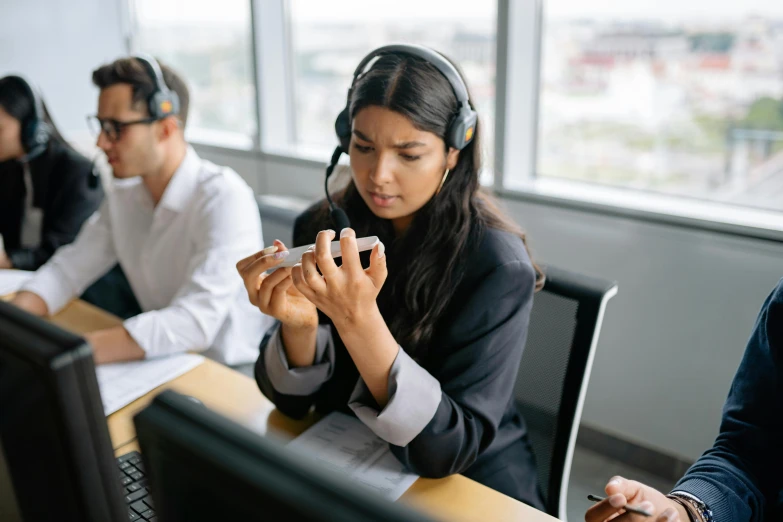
554	372
278	214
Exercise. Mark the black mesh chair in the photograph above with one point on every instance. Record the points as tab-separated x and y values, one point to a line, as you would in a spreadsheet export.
554	372
278	214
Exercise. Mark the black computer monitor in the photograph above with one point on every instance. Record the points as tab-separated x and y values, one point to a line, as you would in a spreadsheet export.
203	467
56	457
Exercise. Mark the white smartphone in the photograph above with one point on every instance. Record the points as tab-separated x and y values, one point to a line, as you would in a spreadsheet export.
364	244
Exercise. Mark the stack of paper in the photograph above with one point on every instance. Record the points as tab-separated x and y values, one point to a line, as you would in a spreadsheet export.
344	444
123	383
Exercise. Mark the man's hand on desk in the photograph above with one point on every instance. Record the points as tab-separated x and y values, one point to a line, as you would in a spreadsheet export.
5	261
114	345
31	303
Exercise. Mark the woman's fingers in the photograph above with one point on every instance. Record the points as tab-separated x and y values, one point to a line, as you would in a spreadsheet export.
276	246
310	273
350	252
377	270
268	286
297	276
323	253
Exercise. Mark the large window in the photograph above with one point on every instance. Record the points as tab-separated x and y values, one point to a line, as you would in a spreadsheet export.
330	38
210	44
675	96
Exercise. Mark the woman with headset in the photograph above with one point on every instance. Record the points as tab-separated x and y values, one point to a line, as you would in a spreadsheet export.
424	344
47	189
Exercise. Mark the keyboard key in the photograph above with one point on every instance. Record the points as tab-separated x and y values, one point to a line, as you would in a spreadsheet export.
133	516
137	476
127	456
133	487
136	495
143	483
125	465
126	480
130	470
139	507
140	466
149	502
135	460
148	514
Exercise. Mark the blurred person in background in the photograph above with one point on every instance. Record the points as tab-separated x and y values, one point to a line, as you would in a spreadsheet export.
47	189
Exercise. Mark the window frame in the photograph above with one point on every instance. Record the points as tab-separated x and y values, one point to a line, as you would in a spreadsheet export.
518	55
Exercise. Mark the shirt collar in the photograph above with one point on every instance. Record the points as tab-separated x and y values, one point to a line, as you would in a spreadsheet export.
183	183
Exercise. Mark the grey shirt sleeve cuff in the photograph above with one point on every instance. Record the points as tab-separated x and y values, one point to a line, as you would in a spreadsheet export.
414	397
299	381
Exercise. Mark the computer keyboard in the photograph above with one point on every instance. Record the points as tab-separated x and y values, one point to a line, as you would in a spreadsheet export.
134	484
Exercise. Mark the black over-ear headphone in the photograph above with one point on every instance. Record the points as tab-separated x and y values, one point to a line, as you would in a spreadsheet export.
460	130
35	131
163	101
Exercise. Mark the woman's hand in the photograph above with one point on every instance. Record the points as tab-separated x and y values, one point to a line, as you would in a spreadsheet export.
621	492
274	294
346	293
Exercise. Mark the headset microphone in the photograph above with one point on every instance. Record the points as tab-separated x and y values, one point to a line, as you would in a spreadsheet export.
339	216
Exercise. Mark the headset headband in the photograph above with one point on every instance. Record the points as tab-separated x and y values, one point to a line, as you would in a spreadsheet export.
436	59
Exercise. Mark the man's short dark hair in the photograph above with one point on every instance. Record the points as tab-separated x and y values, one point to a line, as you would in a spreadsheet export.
134	73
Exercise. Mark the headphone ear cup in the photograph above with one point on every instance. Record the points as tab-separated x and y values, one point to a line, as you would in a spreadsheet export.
35	136
463	128
342	127
164	104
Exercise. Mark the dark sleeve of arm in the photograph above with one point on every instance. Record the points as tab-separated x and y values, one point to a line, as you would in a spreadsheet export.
66	211
742	472
477	377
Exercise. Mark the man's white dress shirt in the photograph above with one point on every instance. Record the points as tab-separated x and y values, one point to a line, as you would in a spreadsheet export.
179	258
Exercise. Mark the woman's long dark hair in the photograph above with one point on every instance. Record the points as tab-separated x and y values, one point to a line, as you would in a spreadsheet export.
16	101
425	263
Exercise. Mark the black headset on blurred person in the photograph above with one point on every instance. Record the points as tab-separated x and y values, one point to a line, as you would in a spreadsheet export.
459	133
35	131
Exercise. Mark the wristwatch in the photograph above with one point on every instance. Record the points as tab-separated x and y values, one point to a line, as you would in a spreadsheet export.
697	510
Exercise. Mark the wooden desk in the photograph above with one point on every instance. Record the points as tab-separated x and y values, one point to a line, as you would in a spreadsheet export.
238	398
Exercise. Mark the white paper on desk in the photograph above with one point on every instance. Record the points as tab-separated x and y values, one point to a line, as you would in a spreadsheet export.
344	444
123	383
12	280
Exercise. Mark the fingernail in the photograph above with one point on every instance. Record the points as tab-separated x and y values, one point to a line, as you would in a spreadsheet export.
614	482
617	501
281	255
332	232
269	250
381	250
346	232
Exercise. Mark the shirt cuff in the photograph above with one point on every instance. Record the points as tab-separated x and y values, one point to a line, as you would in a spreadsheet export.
715	500
49	284
414	397
299	381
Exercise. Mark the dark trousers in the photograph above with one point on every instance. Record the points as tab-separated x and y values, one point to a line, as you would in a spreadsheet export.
113	293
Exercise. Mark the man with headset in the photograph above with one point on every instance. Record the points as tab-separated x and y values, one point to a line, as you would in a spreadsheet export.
176	224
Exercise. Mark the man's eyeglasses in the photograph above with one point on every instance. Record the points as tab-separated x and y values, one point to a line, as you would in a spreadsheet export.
113	128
